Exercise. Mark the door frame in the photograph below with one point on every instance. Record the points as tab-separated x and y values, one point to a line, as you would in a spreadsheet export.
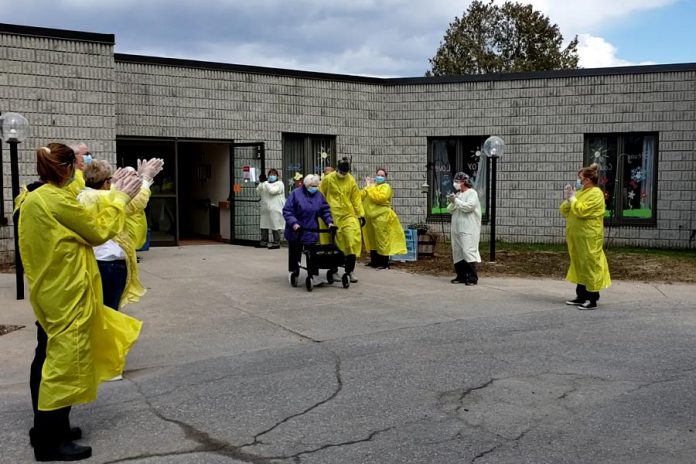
261	147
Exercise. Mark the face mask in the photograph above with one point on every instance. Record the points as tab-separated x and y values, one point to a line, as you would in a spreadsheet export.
578	184
86	159
272	178
340	174
457	186
379	179
312	189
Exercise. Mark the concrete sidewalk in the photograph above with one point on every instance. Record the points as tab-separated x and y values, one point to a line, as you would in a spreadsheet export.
234	365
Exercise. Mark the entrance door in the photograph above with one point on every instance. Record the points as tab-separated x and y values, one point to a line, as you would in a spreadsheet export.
249	164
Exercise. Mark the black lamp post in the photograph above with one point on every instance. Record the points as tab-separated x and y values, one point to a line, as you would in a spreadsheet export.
14	129
493	147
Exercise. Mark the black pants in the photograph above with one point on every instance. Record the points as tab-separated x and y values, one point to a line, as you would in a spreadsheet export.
295	257
350	263
583	294
50	427
466	272
377	260
113	276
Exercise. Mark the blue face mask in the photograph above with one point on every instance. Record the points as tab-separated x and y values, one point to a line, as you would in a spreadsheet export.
379	179
312	189
272	178
578	184
87	158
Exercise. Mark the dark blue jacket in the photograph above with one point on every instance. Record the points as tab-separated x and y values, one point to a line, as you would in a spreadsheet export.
305	209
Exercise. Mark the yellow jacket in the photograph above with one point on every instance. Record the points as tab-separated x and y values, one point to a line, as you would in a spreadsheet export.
585	238
383	231
343	196
131	237
87	342
78	184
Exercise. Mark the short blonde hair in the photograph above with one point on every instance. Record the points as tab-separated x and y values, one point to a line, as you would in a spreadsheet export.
311	180
96	173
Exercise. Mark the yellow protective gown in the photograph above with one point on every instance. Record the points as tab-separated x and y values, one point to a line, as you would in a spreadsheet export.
130	238
87	342
343	196
585	238
383	231
77	185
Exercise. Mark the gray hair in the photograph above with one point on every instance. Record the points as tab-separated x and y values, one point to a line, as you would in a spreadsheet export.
96	173
311	180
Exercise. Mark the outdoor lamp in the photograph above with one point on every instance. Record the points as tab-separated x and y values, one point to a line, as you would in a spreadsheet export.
14	127
14	131
493	148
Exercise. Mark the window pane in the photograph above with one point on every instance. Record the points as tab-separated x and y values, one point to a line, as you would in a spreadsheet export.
293	160
637	176
322	154
444	159
602	150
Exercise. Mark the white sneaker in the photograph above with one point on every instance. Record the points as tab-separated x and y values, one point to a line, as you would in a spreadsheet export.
115	379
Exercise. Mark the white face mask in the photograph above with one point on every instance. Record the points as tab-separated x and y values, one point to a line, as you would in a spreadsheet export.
457	186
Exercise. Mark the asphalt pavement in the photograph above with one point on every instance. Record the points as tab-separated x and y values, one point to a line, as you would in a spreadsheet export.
236	366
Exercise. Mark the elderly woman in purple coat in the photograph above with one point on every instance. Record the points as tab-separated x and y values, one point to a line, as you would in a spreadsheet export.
303	208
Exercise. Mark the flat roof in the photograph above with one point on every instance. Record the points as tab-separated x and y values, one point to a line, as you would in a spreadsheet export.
50	33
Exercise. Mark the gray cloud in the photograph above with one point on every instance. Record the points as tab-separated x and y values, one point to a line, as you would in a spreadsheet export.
370	37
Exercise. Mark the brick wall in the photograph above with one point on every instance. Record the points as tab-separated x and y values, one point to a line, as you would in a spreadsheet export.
543	122
65	89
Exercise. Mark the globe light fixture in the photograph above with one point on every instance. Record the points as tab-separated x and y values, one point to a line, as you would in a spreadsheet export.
493	148
15	128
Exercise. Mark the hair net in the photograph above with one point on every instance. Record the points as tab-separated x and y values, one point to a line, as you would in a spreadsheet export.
463	178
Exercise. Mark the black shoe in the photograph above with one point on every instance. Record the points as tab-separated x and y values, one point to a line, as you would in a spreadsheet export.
471	282
74	434
457	281
67	451
274	247
575	302
588	305
379	268
369	264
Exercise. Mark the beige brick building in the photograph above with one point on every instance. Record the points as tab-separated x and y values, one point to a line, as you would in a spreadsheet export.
209	120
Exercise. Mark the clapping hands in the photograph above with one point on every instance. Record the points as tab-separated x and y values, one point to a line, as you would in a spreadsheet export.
148	169
568	192
126	181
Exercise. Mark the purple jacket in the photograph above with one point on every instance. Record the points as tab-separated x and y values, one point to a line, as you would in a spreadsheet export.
305	209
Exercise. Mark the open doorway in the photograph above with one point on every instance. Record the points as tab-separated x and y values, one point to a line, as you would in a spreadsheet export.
203	191
190	197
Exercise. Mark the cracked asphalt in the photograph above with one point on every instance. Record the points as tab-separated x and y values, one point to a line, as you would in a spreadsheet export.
235	366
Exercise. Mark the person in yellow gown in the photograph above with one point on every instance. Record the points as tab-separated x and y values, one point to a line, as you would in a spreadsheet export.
584	212
343	196
81	342
383	234
116	258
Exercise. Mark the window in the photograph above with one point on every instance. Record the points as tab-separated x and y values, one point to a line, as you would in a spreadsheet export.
306	154
628	175
446	157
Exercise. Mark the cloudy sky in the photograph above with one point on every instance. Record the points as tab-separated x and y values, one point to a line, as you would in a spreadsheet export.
364	37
